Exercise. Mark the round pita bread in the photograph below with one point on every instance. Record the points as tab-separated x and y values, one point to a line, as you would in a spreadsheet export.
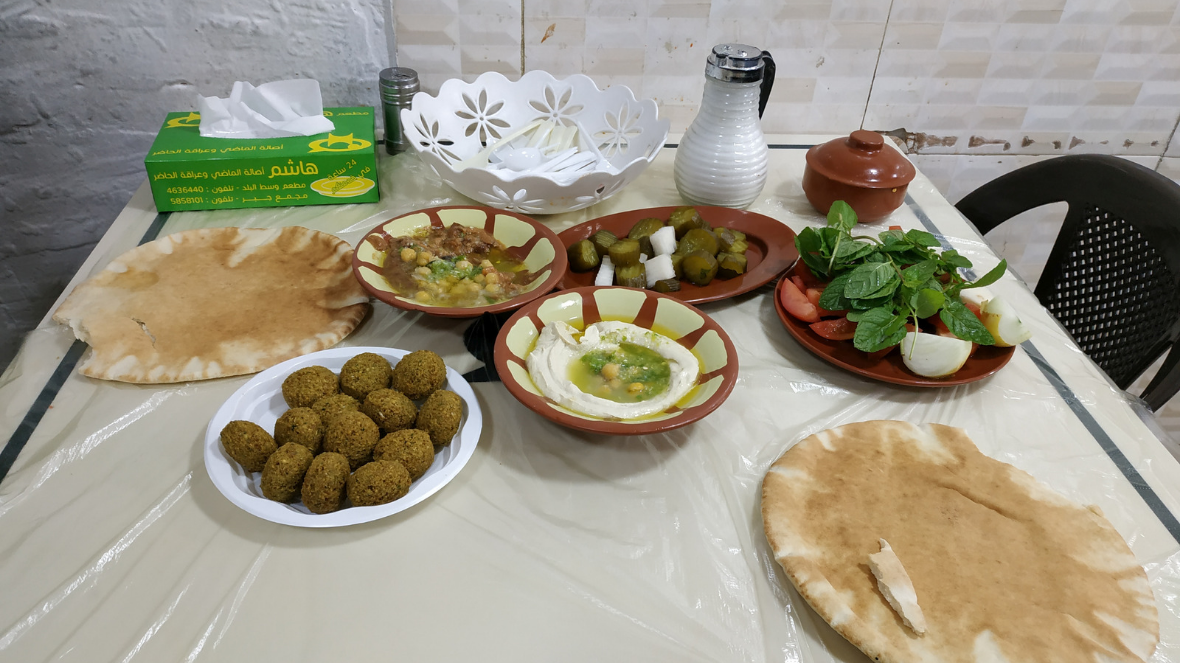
1004	568
215	302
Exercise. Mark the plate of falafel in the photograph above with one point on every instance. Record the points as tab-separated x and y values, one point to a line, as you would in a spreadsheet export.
342	436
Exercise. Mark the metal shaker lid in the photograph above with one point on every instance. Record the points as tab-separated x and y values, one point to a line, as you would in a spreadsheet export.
399	80
735	62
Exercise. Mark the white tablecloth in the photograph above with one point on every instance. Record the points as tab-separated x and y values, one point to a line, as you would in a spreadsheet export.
551	544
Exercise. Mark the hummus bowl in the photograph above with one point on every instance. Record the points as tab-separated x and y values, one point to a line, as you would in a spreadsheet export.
582	307
525	240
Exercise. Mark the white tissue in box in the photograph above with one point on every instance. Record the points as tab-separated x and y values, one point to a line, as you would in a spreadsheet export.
271	110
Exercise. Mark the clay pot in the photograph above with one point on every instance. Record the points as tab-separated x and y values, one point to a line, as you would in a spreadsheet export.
859	170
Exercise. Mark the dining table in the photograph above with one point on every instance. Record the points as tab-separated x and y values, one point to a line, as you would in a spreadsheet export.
551	544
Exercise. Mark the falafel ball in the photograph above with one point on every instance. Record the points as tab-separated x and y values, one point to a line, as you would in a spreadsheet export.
440	416
354	435
329	407
307	385
418	374
378	482
248	443
284	472
300	425
390	409
325	482
364	373
411	447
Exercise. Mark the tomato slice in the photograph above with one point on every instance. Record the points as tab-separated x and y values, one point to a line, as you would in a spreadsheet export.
840	329
797	303
942	330
799	283
895	227
803	272
880	354
974	308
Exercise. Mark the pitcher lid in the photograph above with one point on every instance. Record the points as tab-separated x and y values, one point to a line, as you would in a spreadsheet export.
862	160
735	62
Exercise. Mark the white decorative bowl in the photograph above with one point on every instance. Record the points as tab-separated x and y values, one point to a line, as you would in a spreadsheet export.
465	117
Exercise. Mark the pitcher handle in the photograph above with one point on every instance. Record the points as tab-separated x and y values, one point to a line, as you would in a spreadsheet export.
767	81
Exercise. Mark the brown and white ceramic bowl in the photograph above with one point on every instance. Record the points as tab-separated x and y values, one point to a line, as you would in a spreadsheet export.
651	310
527	240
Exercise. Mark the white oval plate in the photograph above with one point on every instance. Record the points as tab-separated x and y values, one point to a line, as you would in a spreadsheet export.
261	401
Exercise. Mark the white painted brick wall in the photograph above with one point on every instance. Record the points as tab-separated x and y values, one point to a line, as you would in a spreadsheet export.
84	86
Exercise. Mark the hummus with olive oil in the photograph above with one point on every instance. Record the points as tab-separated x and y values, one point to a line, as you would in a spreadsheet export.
613	370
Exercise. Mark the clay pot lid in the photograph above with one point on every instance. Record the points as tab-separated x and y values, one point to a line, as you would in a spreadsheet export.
861	160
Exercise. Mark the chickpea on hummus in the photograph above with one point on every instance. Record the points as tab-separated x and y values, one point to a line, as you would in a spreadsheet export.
613	370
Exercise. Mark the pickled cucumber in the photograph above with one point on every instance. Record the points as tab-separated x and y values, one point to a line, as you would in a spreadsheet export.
631	276
624	253
699	267
667	285
642	231
602	241
583	256
739	246
677	260
730	265
698	239
684	219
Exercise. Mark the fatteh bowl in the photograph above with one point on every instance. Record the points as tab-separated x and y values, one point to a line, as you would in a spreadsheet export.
580	307
527	240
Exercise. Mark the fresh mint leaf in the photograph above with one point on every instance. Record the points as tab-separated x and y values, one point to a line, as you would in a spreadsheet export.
854	316
851	249
886	290
865	304
952	258
879	328
921	238
833	298
989	278
817	263
842	216
868	279
918	273
926	302
963	323
808	240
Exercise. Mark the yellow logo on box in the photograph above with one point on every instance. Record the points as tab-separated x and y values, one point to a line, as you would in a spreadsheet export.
190	120
334	143
342	186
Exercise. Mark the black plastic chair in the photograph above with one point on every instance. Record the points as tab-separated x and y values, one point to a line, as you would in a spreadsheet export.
1113	277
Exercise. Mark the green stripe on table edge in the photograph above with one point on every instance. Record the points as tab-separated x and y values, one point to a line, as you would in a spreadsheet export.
1075	404
49	392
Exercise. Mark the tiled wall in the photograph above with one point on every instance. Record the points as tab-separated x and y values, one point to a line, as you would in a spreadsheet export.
975	88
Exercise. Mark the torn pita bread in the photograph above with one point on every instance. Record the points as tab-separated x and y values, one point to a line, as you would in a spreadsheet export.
896	587
215	302
1005	568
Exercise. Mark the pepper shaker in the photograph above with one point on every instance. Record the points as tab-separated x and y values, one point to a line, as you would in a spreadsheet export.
398	87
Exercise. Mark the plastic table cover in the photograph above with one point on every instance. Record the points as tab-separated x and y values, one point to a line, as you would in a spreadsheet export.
551	544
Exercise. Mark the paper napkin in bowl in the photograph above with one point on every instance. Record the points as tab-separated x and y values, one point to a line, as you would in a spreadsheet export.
271	110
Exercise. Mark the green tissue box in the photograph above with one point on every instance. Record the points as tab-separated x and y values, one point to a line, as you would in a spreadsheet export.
189	172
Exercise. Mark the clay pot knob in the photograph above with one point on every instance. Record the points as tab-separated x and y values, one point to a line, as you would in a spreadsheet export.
869	141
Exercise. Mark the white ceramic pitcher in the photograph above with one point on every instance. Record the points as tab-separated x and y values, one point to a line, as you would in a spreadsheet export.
722	159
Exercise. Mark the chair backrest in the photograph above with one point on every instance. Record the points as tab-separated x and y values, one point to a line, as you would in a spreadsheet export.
1113	276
